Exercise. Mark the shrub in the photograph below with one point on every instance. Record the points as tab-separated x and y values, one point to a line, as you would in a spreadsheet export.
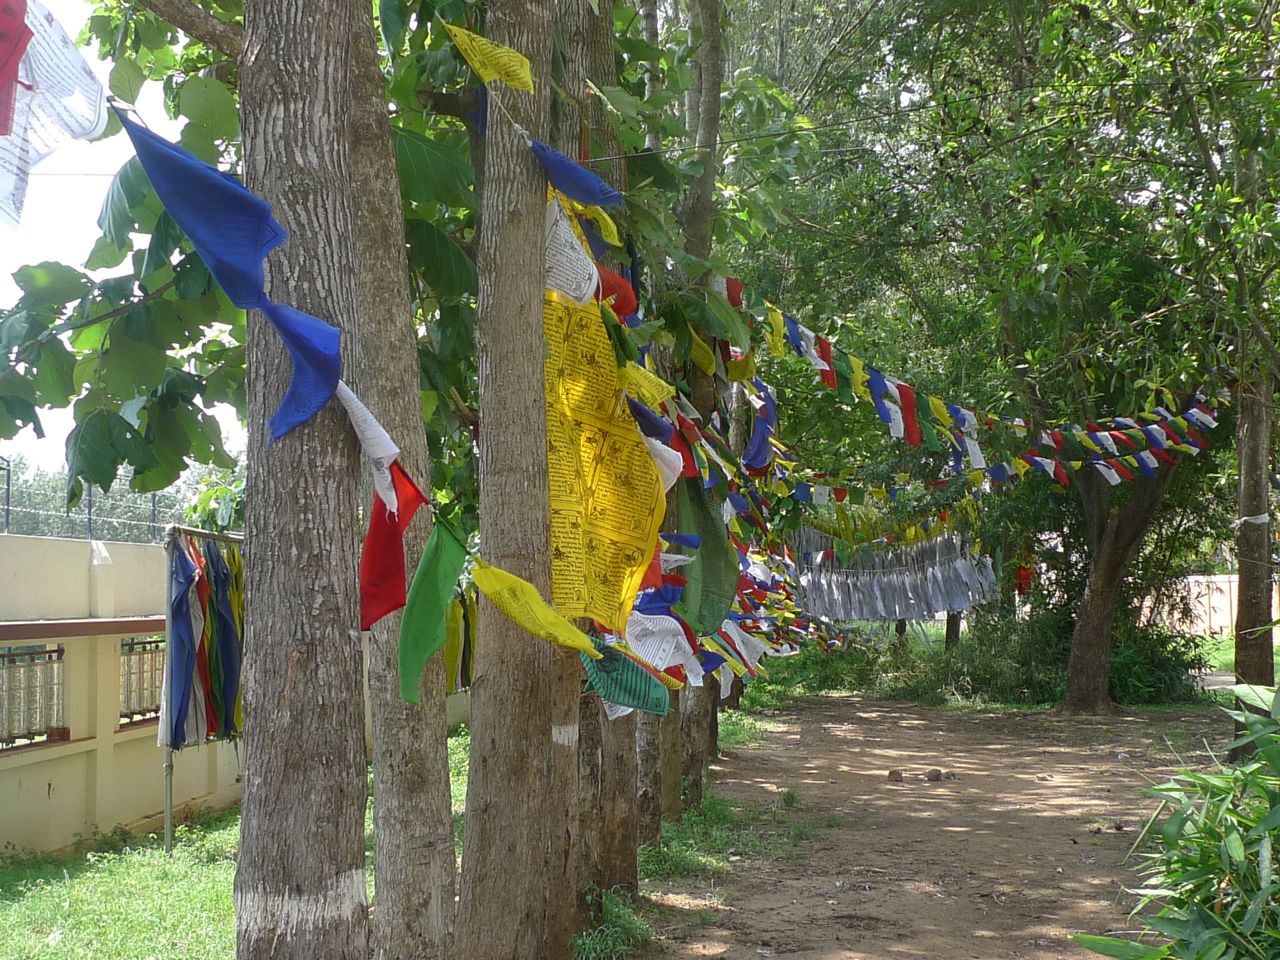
1210	880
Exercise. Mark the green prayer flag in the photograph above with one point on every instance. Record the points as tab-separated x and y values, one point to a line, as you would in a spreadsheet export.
844	375
619	679
713	573
422	630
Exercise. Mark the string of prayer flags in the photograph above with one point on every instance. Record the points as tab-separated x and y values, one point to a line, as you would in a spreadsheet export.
233	230
422	626
568	267
374	441
520	601
48	97
491	61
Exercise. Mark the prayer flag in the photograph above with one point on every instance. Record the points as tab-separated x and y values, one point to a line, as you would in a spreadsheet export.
382	572
572	179
422	627
492	61
233	230
520	601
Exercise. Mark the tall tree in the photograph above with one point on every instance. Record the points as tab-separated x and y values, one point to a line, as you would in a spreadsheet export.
517	899
412	817
300	878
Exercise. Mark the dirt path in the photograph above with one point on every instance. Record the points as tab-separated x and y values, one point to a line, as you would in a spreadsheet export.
1025	847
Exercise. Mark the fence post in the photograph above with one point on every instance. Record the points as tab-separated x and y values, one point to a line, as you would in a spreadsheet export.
8	489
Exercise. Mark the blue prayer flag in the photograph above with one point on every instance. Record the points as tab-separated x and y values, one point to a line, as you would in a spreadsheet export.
573	179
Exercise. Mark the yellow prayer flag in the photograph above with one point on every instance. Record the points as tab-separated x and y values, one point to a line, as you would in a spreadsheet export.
646	384
744	369
520	601
606	495
700	353
860	378
492	61
729	661
940	412
608	229
1086	441
775	332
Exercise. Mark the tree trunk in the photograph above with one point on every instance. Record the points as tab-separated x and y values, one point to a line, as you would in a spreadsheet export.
671	757
1254	661
699	215
515	902
648	780
414	862
619	819
300	877
953	630
695	723
652	77
591	866
900	636
1115	533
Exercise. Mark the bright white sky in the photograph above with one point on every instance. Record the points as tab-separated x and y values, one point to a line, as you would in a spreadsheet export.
59	222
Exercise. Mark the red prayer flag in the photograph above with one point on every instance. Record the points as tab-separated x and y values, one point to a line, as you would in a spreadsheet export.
383	583
824	353
14	37
907	399
616	290
733	291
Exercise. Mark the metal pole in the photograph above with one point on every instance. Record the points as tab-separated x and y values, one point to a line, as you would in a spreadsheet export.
153	516
166	692
88	489
8	489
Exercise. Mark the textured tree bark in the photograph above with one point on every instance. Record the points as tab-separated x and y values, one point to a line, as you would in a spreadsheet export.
517	853
671	758
591	866
1254	655
648	780
699	214
412	821
952	639
620	834
1115	534
300	877
695	724
652	74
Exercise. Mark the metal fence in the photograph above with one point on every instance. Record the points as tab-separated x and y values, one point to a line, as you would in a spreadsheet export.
37	507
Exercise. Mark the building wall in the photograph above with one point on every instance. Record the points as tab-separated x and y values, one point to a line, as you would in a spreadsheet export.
105	776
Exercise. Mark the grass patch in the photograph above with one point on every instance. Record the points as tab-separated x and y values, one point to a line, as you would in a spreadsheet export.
700	844
1220	651
739	729
618	932
120	896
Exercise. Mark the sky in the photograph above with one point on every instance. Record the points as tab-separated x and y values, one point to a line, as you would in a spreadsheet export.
59	223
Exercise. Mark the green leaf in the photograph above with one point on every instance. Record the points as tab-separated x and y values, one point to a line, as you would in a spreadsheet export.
443	263
165	239
18	413
209	103
432	171
457	332
1234	846
129	189
1120	949
126	80
129	367
393	18
52	282
647	165
98	445
105	254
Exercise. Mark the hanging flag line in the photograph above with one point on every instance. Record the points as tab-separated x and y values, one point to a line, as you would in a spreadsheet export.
918	419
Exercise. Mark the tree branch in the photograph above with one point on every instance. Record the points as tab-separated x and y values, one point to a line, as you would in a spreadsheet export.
199	24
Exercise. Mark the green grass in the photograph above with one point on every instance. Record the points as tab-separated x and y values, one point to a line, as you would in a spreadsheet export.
1220	651
128	903
120	897
618	932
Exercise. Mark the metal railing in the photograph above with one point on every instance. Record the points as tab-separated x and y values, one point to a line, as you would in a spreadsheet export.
31	695
141	678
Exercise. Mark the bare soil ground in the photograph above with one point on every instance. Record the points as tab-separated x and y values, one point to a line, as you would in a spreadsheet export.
1024	848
